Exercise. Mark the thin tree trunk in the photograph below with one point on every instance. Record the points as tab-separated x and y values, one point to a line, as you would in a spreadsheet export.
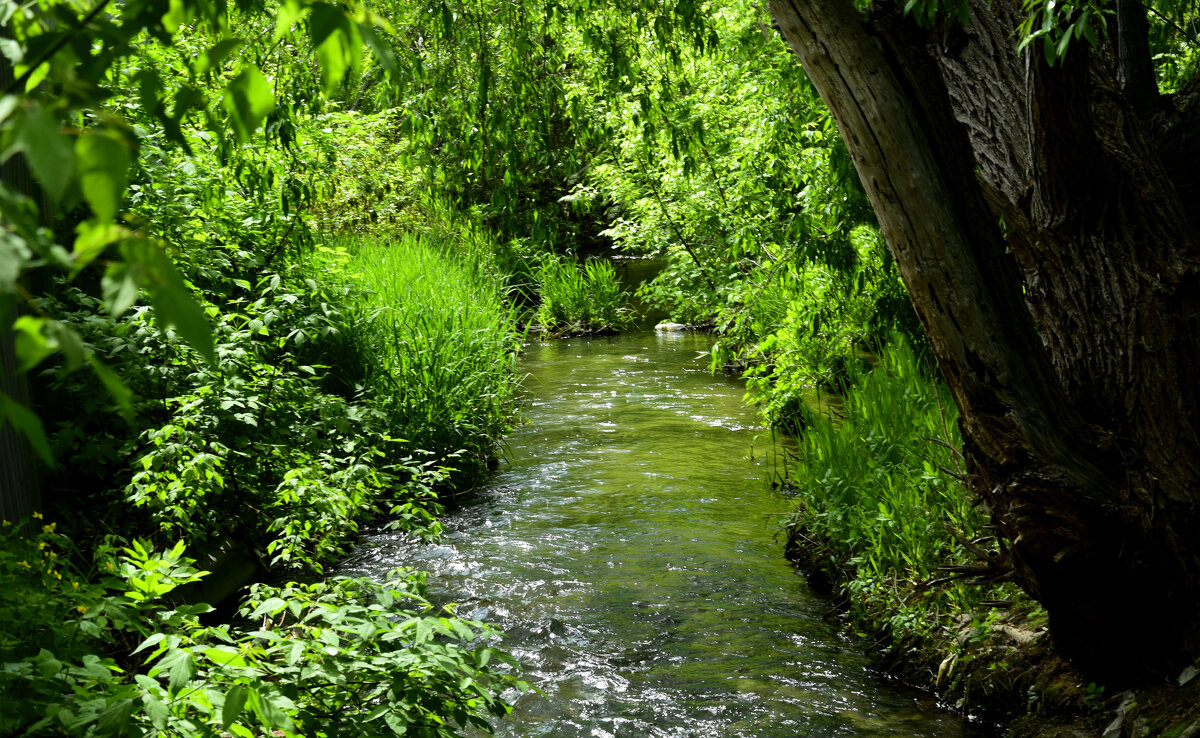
18	477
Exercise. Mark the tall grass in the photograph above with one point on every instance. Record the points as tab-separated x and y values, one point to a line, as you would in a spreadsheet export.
878	489
438	339
580	299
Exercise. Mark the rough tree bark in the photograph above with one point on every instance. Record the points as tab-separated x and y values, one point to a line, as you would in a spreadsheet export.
1038	216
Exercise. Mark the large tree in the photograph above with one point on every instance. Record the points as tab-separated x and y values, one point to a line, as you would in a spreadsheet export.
1043	217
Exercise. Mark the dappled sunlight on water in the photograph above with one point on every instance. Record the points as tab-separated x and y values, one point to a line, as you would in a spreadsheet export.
629	550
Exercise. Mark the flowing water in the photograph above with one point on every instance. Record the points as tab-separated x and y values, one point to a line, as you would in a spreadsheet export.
629	549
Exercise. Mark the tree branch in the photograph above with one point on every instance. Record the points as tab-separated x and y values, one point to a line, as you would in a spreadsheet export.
1135	64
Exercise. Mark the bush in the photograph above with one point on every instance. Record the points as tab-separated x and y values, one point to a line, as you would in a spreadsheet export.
105	652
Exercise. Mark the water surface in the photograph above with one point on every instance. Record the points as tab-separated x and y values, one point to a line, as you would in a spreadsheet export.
628	548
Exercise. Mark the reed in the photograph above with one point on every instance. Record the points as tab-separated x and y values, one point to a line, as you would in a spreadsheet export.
879	488
439	340
578	299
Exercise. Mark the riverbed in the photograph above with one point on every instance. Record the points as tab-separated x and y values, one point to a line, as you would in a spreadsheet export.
628	546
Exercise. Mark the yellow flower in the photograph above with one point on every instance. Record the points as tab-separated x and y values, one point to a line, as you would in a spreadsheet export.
37	515
49	528
25	564
82	608
6	523
76	586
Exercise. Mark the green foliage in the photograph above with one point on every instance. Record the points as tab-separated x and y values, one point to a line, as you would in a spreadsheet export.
879	488
810	331
1174	42
1058	24
90	95
439	341
255	445
580	299
105	652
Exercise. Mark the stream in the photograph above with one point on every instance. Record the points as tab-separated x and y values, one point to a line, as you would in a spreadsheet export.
630	550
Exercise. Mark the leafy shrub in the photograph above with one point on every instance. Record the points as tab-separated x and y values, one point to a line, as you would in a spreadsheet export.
106	652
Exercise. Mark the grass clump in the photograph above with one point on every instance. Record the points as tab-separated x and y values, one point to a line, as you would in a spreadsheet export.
439	342
880	500
577	299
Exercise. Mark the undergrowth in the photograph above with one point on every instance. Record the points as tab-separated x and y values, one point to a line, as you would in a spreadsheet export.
104	649
881	505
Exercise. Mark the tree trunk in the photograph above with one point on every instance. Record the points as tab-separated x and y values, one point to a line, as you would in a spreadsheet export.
1035	213
19	493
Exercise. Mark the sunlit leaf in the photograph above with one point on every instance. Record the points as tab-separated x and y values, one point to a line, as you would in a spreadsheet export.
213	58
103	172
235	701
47	149
289	12
336	38
248	99
32	344
91	239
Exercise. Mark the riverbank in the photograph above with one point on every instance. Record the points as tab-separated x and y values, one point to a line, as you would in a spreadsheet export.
347	387
885	526
1003	669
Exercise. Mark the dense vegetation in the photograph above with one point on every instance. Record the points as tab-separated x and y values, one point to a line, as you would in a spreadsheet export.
267	270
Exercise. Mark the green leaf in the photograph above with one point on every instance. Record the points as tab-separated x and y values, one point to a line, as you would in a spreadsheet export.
91	239
381	50
176	16
182	671
151	641
119	286
117	389
289	12
270	606
235	701
224	656
115	719
13	255
248	99
156	710
28	424
338	44
31	342
270	712
47	149
212	58
103	172
174	304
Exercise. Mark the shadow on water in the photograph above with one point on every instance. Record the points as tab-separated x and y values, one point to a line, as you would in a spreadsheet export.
629	551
